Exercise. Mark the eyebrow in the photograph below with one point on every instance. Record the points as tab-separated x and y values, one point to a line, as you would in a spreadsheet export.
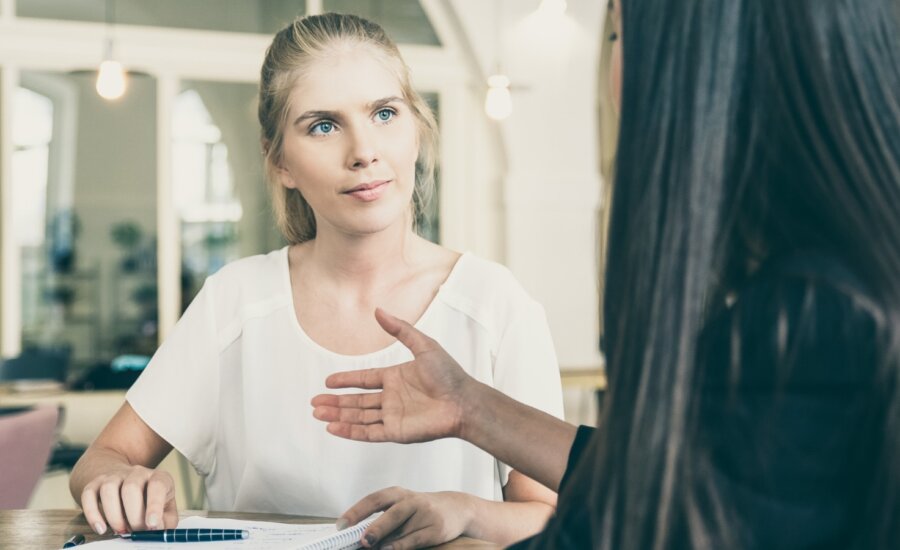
372	105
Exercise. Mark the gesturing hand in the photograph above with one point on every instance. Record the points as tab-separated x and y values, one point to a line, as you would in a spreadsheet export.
419	401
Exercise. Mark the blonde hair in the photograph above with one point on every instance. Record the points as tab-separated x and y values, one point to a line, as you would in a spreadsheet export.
291	52
608	116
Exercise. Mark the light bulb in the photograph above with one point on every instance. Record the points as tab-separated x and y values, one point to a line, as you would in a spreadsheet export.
111	80
498	103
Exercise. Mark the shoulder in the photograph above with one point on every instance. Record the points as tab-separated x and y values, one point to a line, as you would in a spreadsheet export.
487	291
254	283
489	295
264	272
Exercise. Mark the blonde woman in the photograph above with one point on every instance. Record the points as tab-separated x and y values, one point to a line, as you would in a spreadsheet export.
349	148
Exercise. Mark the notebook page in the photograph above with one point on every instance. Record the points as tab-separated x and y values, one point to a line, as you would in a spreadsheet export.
348	539
268	535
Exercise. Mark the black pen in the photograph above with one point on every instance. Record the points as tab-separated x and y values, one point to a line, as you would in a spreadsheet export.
74	541
187	535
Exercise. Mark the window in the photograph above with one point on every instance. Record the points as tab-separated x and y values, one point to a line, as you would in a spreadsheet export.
204	191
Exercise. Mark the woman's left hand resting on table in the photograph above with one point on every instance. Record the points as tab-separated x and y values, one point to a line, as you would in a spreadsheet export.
417	520
410	519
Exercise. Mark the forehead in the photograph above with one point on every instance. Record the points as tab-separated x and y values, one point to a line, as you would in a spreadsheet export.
344	80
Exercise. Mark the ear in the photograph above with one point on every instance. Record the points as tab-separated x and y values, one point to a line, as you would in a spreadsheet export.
285	178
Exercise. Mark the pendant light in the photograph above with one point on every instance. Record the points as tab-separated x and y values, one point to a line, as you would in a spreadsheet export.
111	80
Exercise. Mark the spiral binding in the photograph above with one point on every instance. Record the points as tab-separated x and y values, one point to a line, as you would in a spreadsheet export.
348	539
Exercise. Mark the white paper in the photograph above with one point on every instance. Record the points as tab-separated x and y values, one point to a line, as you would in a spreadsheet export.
277	536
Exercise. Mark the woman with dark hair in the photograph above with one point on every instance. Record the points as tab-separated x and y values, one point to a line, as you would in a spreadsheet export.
753	297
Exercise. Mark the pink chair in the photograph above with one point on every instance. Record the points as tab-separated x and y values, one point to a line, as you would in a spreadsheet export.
25	442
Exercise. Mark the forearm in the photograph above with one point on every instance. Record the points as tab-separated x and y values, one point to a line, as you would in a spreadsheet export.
125	442
505	522
527	439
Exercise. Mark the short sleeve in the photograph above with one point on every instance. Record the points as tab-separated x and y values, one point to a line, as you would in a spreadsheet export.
177	394
525	365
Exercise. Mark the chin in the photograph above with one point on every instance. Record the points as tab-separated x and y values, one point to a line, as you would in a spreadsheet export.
374	224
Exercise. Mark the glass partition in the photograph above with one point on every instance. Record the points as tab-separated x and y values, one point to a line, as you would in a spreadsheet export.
218	180
84	186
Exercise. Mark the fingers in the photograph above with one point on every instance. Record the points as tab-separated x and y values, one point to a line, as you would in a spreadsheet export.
142	498
160	493
111	504
90	506
351	409
368	379
408	335
132	498
373	433
170	512
351	401
349	416
374	502
389	522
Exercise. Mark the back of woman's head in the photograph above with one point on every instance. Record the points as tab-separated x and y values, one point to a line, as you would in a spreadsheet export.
750	129
293	51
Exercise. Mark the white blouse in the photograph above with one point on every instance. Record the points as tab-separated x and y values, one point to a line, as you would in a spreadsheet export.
231	387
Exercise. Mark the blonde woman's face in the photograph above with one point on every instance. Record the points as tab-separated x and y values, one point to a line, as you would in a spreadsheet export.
350	144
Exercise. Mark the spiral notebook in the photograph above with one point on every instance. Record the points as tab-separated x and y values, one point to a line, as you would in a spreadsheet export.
346	539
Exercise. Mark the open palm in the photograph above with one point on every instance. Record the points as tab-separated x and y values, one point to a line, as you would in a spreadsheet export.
419	401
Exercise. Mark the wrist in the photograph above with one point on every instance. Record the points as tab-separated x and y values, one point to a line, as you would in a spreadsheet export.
468	507
473	405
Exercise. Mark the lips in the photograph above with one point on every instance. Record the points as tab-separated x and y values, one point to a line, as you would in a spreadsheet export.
367	186
369	191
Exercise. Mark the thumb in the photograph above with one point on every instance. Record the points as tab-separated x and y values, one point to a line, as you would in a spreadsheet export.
408	335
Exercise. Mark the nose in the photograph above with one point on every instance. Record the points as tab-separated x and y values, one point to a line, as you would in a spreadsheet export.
363	148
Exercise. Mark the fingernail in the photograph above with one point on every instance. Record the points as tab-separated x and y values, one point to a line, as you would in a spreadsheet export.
152	520
370	538
100	528
341	524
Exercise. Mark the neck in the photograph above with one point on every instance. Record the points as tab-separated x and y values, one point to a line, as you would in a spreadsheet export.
362	259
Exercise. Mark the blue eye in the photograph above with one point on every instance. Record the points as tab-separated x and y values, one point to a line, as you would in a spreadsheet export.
385	115
322	128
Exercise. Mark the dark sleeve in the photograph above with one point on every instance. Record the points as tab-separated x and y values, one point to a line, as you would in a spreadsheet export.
788	425
582	436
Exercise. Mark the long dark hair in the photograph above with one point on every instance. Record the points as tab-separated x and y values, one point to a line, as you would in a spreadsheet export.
749	129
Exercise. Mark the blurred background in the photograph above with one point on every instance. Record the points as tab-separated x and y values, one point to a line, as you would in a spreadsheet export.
130	170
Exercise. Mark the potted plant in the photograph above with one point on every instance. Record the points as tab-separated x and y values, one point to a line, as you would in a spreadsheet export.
63	229
127	235
62	295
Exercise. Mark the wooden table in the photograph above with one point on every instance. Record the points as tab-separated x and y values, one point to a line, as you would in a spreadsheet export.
49	529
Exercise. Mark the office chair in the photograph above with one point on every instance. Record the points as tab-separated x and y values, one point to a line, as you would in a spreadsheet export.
25	442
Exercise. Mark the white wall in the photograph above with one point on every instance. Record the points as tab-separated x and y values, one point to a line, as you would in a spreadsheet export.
551	186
